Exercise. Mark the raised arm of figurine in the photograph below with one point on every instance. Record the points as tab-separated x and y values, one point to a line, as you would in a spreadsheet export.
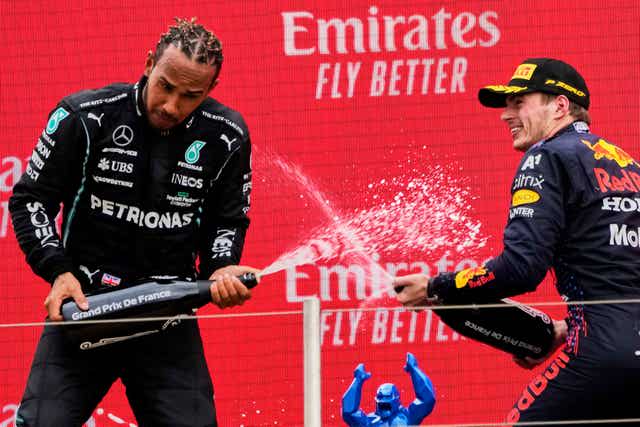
351	412
425	395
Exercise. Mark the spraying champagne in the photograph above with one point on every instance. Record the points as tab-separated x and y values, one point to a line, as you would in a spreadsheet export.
139	310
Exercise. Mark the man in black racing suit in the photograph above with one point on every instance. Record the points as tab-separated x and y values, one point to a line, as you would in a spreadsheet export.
575	207
152	176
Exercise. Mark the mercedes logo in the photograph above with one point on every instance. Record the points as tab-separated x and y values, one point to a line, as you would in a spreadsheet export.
122	136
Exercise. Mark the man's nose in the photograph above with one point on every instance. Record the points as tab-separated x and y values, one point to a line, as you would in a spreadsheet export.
171	106
507	114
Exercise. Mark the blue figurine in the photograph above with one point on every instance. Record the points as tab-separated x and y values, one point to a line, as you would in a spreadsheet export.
389	412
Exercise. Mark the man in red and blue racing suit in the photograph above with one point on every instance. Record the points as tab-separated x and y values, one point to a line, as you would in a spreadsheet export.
575	208
152	176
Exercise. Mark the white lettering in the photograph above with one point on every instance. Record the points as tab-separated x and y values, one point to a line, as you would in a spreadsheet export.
135	215
379	331
292	277
620	236
340	35
48	139
32	173
10	176
4	221
37	160
43	149
324	324
354	321
304	34
11	410
403	74
103	100
112	181
531	162
187	181
290	30
621	204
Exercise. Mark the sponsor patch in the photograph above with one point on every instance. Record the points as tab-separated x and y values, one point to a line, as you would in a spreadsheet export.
622	235
54	121
224	120
524	197
228	141
135	215
115	166
182	200
537	386
112	181
192	154
116	150
621	204
103	100
222	244
628	181
190	167
186	181
474	277
48	139
604	150
565	86
531	162
522	212
524	180
122	136
524	71
109	280
44	230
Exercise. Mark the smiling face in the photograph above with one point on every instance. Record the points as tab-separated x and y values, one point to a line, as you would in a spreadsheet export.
530	117
176	86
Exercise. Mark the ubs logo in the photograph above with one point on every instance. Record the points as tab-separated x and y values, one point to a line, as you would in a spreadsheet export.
122	136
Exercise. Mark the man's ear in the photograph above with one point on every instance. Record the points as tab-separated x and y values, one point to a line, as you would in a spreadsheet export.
213	84
149	63
562	105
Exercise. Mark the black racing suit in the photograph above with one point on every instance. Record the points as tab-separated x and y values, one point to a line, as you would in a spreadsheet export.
138	202
575	208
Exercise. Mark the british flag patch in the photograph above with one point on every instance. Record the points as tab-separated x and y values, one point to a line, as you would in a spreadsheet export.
109	280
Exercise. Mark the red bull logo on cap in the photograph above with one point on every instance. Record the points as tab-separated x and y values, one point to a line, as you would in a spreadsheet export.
603	149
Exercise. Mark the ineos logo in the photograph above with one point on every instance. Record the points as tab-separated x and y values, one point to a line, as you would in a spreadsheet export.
122	136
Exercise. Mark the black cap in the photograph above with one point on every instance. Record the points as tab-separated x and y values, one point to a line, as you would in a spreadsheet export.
539	75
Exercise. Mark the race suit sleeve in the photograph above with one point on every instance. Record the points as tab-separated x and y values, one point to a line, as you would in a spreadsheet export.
224	217
52	176
536	218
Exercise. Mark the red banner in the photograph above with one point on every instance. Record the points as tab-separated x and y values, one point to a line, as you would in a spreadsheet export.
371	153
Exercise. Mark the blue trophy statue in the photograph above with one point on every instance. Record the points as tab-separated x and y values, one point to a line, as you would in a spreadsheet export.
389	411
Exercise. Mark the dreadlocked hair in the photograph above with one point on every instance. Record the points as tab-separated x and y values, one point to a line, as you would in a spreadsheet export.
194	40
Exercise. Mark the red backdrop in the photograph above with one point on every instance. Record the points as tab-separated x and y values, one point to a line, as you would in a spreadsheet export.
350	93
